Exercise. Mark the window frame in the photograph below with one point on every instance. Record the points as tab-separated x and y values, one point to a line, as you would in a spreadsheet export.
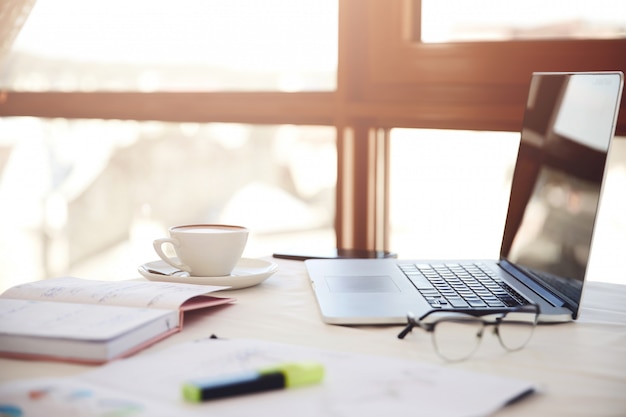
387	79
384	80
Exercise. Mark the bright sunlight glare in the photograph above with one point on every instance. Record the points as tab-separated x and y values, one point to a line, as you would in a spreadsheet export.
237	34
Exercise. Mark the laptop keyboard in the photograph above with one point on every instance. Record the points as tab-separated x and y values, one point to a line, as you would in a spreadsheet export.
461	286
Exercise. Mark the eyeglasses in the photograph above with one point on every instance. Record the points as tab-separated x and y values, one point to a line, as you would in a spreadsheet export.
456	336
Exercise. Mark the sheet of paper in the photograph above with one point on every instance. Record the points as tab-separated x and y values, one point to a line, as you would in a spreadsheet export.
354	385
129	293
74	398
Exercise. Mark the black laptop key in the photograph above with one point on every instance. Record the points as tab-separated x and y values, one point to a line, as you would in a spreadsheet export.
513	294
509	301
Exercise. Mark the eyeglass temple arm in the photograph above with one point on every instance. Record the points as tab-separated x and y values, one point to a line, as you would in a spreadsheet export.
406	330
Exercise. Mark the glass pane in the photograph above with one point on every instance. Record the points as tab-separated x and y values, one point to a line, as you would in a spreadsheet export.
159	45
449	194
493	20
88	197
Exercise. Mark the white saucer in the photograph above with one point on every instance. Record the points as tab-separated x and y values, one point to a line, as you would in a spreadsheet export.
247	273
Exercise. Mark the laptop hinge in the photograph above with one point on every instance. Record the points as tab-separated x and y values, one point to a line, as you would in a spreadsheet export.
531	283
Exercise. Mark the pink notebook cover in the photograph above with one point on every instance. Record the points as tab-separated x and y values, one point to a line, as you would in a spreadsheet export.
194	303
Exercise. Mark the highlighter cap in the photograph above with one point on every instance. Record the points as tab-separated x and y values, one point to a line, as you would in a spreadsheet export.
192	393
297	373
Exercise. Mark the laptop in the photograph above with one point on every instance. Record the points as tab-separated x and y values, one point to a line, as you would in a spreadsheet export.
568	125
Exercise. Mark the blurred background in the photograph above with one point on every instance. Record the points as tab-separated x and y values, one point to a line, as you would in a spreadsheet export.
87	197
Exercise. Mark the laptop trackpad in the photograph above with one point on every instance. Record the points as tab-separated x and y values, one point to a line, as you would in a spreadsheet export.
351	283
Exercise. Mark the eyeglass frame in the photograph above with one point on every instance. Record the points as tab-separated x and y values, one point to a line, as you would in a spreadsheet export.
477	314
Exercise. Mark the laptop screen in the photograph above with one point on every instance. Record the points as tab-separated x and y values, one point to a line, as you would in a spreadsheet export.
569	123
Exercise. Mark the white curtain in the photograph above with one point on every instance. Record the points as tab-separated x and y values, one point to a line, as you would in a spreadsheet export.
13	14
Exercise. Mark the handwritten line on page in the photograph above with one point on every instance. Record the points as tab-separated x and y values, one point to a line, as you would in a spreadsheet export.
354	385
128	293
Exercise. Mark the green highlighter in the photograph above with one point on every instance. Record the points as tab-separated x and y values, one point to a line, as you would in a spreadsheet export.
287	375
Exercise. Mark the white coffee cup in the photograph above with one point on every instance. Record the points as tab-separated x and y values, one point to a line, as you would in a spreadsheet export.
204	250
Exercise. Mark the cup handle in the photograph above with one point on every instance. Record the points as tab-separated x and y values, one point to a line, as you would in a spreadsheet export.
158	247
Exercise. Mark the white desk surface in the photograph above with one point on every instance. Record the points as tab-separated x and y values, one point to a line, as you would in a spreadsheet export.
579	367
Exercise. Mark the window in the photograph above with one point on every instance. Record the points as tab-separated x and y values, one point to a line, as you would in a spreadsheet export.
370	78
193	45
489	20
449	192
146	114
88	197
396	82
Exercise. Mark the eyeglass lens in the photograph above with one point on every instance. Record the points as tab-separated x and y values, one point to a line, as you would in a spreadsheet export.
516	328
457	339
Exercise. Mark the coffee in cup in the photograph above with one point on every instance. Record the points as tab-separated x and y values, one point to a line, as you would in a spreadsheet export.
204	250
